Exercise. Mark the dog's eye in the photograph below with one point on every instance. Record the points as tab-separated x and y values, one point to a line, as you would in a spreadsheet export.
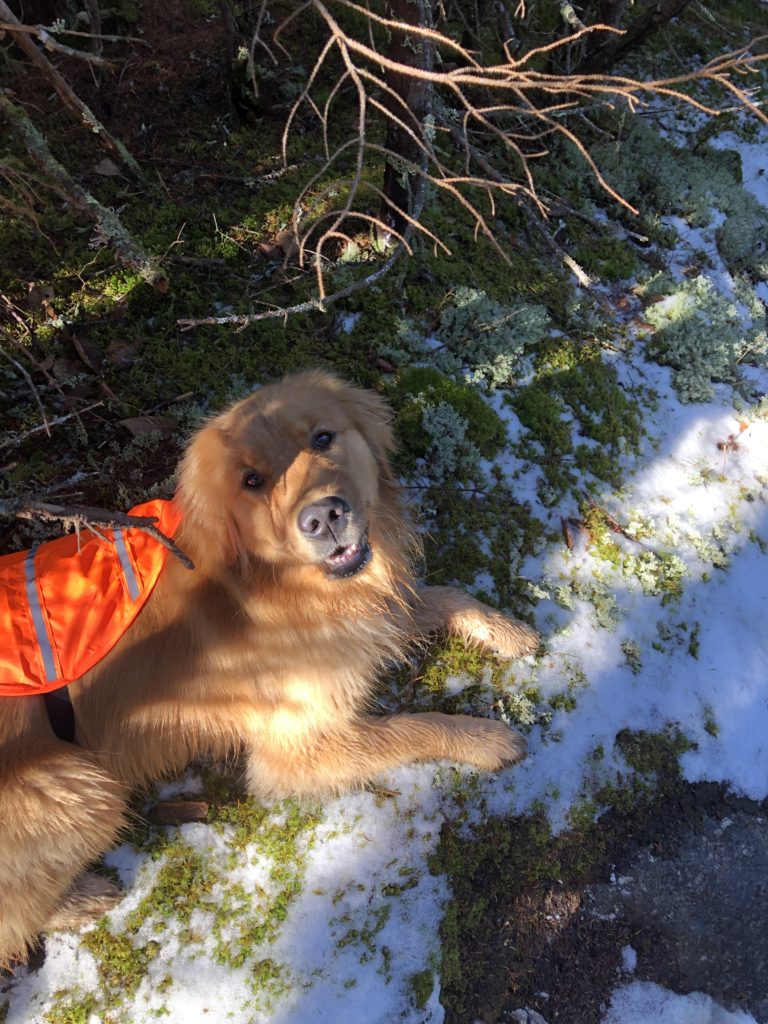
252	480
323	439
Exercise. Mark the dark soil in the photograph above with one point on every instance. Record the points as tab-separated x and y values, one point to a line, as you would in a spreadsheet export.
683	886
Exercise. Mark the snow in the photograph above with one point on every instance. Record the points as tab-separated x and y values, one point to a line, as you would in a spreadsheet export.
629	959
646	1003
367	916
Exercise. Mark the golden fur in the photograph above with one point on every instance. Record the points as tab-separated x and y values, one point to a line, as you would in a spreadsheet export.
265	648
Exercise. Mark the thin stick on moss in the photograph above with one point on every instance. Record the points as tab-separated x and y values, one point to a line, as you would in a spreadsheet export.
16	439
35	393
109	225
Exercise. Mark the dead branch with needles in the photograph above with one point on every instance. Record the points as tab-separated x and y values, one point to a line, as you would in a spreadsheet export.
95	520
441	120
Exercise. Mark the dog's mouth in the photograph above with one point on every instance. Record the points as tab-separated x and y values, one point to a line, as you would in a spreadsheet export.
348	560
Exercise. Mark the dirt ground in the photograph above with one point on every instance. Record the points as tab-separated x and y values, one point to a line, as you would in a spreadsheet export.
691	901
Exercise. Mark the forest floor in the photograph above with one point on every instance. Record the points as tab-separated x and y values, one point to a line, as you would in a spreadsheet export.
612	489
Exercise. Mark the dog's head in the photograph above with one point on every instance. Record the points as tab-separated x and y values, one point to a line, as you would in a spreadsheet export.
294	475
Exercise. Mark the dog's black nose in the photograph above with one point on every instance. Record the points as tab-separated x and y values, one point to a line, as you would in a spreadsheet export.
324	518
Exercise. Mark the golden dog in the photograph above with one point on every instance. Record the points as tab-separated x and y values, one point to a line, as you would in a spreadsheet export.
303	590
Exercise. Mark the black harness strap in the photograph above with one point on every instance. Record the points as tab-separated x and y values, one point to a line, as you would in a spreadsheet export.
61	714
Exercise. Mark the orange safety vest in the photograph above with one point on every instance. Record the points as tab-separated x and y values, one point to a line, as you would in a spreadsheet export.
63	609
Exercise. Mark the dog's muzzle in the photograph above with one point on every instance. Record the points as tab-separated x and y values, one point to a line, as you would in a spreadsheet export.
329	525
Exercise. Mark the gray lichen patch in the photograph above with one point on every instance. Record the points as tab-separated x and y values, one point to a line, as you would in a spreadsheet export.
705	337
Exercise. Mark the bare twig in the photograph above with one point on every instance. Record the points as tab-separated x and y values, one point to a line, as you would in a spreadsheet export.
82	517
48	41
242	320
36	394
17	439
54	30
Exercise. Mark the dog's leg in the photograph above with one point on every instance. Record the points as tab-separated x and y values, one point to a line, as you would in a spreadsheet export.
58	811
449	610
358	750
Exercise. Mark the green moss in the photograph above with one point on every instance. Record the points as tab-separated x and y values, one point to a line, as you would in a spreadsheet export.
267	975
581	817
513	853
710	722
591	390
652	173
66	1010
694	643
659	573
448	658
544	417
183	883
410	878
242	923
365	936
274	837
121	964
633	655
600	254
474	531
601	533
421	985
575	387
654	753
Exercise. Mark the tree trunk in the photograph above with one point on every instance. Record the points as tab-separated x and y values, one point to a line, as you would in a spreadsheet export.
400	176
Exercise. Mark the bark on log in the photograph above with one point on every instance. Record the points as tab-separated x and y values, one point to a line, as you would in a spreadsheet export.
107	221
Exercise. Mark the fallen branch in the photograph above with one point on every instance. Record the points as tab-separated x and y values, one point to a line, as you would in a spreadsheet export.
68	96
109	225
311	305
497	117
82	517
45	37
35	29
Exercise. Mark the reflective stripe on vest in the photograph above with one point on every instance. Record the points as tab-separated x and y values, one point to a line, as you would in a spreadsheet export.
41	633
65	604
125	564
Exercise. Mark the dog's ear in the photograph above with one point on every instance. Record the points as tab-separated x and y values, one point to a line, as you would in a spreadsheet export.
206	493
373	418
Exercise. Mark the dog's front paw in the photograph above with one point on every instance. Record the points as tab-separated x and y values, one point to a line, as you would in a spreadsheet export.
88	898
489	744
507	638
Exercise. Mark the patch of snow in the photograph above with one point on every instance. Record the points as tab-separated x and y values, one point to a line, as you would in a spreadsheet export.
645	1003
629	959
